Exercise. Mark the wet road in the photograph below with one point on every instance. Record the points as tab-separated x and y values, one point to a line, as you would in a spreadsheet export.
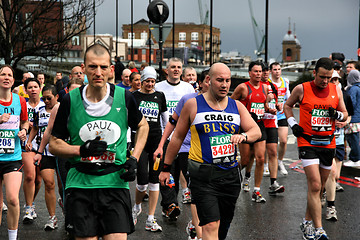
278	218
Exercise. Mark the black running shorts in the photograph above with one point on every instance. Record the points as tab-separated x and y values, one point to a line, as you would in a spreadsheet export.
98	212
325	155
10	166
47	162
216	199
272	135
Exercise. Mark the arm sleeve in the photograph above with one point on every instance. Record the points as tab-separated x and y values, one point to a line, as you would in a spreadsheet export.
23	114
134	114
60	129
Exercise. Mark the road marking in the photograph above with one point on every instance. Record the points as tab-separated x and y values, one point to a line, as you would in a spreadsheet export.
297	166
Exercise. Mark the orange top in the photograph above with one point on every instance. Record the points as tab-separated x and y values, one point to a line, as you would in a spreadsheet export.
314	114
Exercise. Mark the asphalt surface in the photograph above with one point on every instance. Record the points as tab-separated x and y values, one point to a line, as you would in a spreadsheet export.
278	218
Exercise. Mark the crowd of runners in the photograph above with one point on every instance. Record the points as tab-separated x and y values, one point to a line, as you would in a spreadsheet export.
183	134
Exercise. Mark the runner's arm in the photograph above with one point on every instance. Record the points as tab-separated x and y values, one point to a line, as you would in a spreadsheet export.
341	106
296	96
140	137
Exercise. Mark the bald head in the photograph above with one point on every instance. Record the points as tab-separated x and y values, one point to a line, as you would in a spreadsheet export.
76	72
126	77
217	68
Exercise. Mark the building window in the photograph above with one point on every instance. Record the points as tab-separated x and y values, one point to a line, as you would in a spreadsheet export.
144	35
75	41
194	43
143	51
194	36
182	36
181	44
129	35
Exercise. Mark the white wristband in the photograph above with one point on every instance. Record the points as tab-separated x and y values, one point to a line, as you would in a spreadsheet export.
292	121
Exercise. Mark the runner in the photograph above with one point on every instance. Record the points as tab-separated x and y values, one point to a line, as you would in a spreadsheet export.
13	127
174	89
283	94
192	228
321	104
95	119
214	120
152	104
48	161
32	177
254	95
270	122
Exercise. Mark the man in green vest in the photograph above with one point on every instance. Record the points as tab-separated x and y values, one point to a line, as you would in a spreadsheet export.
90	129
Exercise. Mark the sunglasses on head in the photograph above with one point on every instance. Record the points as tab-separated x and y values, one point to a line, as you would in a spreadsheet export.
46	98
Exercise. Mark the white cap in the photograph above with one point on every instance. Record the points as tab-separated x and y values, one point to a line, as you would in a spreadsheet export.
148	72
335	74
31	74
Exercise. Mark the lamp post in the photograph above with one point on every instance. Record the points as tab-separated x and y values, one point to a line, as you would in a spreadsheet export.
266	29
132	30
117	22
173	31
211	32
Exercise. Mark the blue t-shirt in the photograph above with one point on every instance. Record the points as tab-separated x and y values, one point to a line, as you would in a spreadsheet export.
185	146
123	86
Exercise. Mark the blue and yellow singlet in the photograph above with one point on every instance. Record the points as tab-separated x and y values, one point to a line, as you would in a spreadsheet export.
211	131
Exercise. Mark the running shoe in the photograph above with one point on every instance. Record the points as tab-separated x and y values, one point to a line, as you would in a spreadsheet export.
323	199
276	188
4	207
308	230
246	184
186	197
331	213
28	218
339	188
52	224
153	226
172	212
146	197
34	215
266	170
256	197
135	214
282	168
320	234
190	230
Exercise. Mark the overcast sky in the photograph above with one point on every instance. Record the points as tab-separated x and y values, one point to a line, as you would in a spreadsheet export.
322	26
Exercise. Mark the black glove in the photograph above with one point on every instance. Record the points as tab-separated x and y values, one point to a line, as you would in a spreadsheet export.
333	113
297	130
130	165
93	147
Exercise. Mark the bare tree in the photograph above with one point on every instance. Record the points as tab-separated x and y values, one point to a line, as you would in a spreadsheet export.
41	28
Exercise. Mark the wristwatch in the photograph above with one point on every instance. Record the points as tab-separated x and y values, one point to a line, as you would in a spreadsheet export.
245	135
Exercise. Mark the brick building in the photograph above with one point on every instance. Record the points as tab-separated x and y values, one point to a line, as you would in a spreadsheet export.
187	35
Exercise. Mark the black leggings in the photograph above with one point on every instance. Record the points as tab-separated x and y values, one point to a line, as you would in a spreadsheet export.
145	171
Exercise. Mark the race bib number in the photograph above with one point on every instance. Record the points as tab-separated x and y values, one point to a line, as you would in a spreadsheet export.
149	109
258	109
107	157
171	105
281	101
7	141
222	149
320	120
